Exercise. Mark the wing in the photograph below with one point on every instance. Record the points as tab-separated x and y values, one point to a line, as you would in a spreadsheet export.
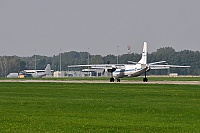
101	66
166	66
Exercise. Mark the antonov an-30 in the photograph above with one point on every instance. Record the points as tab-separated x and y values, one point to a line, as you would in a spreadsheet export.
131	70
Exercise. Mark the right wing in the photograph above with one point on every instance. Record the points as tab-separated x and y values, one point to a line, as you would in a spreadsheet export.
166	66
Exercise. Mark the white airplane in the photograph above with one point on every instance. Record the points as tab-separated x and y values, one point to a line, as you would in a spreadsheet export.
131	70
38	73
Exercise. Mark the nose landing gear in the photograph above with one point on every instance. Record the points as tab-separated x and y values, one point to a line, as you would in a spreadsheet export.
113	80
118	80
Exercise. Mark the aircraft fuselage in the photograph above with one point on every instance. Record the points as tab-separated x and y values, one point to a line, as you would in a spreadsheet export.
130	71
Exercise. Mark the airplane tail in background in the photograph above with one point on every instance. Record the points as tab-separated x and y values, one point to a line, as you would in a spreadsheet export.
48	69
144	54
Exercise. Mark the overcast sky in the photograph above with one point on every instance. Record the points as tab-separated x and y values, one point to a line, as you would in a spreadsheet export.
48	27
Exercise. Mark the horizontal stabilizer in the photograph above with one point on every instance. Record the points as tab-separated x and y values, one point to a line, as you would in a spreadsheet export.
157	62
132	62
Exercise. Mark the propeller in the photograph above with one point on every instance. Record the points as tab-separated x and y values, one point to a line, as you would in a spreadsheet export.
103	71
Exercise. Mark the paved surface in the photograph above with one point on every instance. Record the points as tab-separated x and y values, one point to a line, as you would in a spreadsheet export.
103	81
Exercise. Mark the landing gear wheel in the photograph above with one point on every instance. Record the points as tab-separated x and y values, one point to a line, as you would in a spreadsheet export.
112	79
145	79
118	80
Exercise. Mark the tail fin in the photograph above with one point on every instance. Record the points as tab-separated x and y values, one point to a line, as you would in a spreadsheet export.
143	60
48	69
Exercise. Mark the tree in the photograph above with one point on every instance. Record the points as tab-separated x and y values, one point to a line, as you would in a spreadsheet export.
96	59
9	64
110	59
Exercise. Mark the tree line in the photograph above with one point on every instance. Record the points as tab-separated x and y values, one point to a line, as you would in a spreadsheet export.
11	64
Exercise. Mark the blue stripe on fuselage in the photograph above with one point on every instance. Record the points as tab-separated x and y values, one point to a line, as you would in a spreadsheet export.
126	70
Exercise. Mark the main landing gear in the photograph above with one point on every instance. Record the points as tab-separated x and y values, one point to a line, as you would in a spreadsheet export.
118	80
113	80
145	79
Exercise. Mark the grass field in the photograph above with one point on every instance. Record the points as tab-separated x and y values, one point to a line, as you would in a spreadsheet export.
61	107
150	78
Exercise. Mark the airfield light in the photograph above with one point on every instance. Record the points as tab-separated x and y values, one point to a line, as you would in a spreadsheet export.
35	61
117	54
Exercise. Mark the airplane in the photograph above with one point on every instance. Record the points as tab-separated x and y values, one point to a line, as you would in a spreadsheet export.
38	73
13	75
131	70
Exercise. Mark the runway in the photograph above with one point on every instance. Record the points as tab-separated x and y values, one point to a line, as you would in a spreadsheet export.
104	81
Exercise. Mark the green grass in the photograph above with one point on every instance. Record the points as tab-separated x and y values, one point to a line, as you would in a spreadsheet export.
163	78
159	78
61	107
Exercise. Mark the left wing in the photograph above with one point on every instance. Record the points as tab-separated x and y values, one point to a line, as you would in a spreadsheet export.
101	66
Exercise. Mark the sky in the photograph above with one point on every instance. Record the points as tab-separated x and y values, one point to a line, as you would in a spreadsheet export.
48	27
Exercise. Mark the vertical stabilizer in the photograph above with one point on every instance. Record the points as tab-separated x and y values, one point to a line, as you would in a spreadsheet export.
48	69
144	54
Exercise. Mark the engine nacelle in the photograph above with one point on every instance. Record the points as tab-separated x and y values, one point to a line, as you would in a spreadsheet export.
148	69
111	70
